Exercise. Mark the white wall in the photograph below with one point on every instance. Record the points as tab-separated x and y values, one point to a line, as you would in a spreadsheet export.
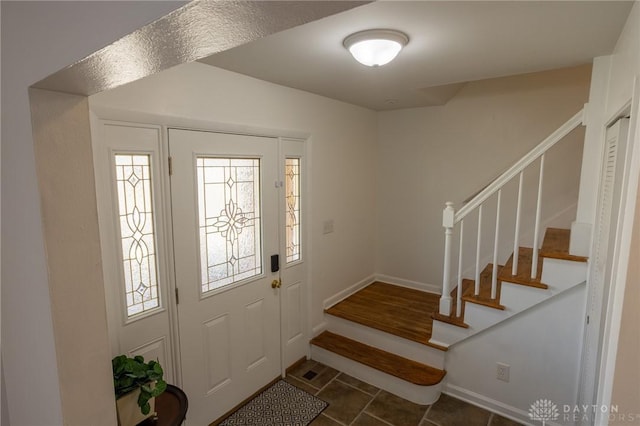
342	152
38	38
612	86
428	156
543	364
625	62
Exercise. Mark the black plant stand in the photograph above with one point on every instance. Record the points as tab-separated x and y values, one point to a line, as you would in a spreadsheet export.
171	408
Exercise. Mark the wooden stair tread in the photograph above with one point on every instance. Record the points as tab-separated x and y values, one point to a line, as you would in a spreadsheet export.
403	368
525	258
400	311
450	319
468	290
484	298
556	245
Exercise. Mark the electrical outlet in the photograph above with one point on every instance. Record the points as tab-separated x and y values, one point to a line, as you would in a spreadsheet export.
327	226
502	372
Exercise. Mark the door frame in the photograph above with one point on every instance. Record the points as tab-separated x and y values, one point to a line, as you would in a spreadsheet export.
100	115
620	254
106	200
599	393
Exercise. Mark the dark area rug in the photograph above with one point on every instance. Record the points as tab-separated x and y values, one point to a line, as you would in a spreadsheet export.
281	404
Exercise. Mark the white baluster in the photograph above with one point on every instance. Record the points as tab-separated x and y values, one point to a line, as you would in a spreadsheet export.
448	215
534	261
477	289
459	295
494	276
516	237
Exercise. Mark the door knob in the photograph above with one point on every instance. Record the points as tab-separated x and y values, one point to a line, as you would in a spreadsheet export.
276	284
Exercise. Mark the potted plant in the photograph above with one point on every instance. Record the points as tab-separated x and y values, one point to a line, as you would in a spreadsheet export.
136	385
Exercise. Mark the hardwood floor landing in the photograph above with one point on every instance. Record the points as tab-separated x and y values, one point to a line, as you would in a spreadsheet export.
400	311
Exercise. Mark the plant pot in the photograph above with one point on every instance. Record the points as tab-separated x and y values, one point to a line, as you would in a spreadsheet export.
129	413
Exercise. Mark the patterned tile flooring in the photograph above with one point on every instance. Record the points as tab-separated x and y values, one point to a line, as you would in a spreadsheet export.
355	403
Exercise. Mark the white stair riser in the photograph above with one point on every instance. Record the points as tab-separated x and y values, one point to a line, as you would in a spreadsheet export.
387	342
423	395
446	334
518	297
479	317
561	275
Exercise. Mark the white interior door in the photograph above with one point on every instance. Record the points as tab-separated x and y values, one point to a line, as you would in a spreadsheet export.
224	191
613	167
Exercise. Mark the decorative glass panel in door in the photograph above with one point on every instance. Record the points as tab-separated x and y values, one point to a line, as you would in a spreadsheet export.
135	212
292	219
228	220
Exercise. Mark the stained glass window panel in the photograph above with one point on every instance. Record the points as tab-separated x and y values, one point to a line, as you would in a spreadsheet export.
292	198
135	213
229	220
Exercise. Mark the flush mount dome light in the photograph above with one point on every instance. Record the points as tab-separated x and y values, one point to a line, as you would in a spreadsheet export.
375	47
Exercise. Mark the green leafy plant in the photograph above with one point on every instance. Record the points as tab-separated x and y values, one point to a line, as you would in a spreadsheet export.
130	374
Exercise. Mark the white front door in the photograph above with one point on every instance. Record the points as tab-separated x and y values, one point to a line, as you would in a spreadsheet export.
224	197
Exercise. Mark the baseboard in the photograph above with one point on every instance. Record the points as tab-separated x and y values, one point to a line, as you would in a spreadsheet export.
340	296
482	401
429	288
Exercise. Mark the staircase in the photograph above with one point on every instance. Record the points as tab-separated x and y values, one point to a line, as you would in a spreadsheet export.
397	338
381	335
557	272
407	338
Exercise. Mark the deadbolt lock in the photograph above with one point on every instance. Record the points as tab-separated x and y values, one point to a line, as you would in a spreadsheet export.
276	284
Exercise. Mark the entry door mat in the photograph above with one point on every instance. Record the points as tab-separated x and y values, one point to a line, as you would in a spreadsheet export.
280	404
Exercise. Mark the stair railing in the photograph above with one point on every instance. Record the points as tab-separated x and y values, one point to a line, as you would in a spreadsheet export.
451	218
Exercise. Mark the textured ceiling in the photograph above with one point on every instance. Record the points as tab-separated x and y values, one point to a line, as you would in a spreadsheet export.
199	29
450	43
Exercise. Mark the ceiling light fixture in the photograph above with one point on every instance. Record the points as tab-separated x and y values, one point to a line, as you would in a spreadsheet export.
375	47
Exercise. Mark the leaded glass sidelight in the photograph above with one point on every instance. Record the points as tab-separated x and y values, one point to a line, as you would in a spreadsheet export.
135	213
292	197
229	220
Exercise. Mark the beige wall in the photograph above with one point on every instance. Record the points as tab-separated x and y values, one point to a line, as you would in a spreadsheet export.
428	156
341	150
626	384
63	142
39	38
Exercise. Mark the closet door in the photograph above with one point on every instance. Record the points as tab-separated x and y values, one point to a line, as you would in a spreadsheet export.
613	165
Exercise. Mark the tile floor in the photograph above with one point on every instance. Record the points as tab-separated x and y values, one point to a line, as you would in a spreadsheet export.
355	403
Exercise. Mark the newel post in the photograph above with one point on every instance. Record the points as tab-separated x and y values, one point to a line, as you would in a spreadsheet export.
448	215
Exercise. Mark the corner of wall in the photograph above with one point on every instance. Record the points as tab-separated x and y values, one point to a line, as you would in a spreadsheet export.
64	162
